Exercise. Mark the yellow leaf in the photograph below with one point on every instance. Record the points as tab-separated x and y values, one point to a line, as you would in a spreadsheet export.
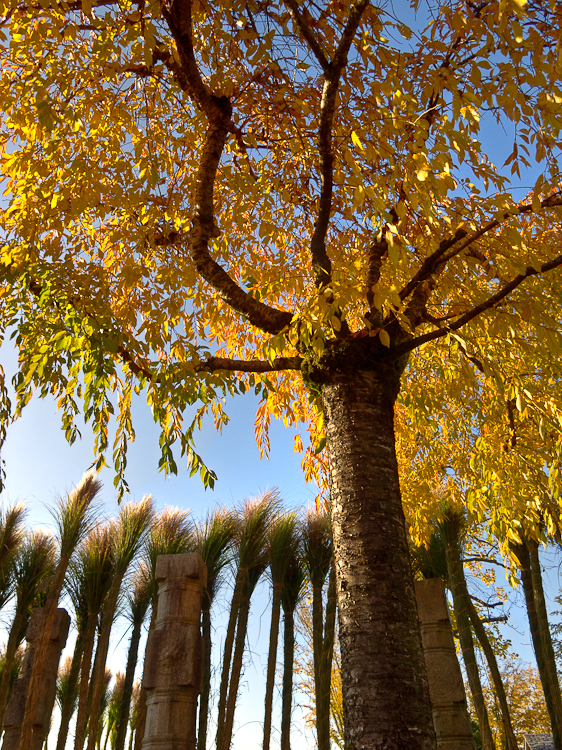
356	141
384	337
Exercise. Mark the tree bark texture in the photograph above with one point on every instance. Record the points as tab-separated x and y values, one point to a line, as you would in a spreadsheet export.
385	689
461	606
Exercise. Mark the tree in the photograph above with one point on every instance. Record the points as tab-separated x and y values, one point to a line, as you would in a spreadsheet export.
294	197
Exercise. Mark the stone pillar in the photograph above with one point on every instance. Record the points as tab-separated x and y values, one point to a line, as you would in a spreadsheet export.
13	719
446	689
174	652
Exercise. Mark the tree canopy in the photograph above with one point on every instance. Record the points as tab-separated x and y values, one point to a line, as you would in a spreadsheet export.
206	197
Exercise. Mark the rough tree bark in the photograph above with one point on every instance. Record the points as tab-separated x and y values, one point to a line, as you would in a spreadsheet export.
385	690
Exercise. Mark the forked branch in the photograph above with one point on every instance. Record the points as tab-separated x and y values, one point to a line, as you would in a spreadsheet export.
218	111
487	304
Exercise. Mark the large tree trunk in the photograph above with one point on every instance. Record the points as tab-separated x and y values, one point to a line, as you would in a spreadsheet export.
288	658
385	690
271	663
125	706
480	631
461	606
69	704
206	691
523	556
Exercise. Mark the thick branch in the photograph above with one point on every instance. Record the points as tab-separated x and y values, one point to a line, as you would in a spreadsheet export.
487	304
320	260
251	365
441	256
218	111
377	252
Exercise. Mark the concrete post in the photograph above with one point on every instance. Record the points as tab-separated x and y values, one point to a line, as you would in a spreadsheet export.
13	719
174	652
446	689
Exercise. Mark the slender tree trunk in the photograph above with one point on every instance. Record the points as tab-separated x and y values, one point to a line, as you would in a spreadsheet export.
67	709
288	657
317	638
385	690
11	648
480	631
461	605
324	689
82	718
545	637
205	693
125	706
98	676
227	653
271	663
524	558
237	659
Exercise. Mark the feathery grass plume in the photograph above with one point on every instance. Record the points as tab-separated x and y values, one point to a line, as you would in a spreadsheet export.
254	520
171	533
91	575
33	565
213	541
131	530
430	561
139	602
66	691
291	594
11	535
16	664
74	517
318	560
283	540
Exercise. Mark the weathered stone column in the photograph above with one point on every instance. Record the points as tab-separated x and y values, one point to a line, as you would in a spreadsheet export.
174	652
13	719
446	689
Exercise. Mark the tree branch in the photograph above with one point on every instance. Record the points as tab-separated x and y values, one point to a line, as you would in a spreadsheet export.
487	304
250	365
218	111
308	34
320	260
440	256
